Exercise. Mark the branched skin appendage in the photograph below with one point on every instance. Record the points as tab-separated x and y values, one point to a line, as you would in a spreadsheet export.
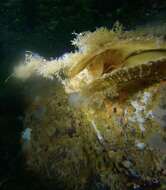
120	80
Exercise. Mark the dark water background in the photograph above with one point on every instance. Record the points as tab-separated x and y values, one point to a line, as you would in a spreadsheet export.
45	27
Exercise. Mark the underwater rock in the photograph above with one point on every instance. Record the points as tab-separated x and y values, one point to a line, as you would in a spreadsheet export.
65	147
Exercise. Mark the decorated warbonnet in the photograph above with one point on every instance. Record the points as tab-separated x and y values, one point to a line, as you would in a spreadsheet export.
97	54
105	120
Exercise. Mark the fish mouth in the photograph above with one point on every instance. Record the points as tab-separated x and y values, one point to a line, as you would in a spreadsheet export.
128	79
147	54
